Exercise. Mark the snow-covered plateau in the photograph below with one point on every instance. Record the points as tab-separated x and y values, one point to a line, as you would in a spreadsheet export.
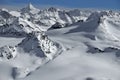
57	44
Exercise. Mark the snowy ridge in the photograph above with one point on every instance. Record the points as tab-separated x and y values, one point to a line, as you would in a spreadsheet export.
37	47
41	41
30	9
87	40
43	19
98	26
19	27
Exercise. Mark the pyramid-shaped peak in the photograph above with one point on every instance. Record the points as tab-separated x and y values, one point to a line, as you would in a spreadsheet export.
30	9
30	6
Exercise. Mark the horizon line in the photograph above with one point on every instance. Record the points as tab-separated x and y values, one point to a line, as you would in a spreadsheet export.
14	7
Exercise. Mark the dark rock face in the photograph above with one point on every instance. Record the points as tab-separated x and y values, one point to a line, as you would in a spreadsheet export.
57	25
5	14
89	78
95	50
52	9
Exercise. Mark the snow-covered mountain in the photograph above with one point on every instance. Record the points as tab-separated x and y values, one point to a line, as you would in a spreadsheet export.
36	49
80	44
101	26
30	9
42	19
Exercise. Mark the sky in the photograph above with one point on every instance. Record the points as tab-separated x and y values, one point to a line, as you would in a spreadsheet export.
99	4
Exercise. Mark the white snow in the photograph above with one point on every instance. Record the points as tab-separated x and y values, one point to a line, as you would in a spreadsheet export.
10	41
86	47
15	13
30	9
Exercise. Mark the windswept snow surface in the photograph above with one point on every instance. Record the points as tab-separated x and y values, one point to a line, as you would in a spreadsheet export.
33	51
89	53
11	41
54	44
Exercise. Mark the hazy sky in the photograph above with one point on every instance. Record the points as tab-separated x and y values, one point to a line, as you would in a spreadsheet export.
101	4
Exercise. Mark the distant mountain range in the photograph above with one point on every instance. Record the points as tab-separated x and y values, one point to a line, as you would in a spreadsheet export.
50	32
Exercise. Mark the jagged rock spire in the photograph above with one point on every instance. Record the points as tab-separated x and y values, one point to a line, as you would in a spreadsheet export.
30	6
30	9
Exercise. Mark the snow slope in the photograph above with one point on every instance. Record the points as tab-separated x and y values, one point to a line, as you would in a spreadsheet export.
55	44
83	58
43	19
35	50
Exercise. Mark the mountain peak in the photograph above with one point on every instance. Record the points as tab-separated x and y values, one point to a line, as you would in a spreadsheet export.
30	9
53	9
30	6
